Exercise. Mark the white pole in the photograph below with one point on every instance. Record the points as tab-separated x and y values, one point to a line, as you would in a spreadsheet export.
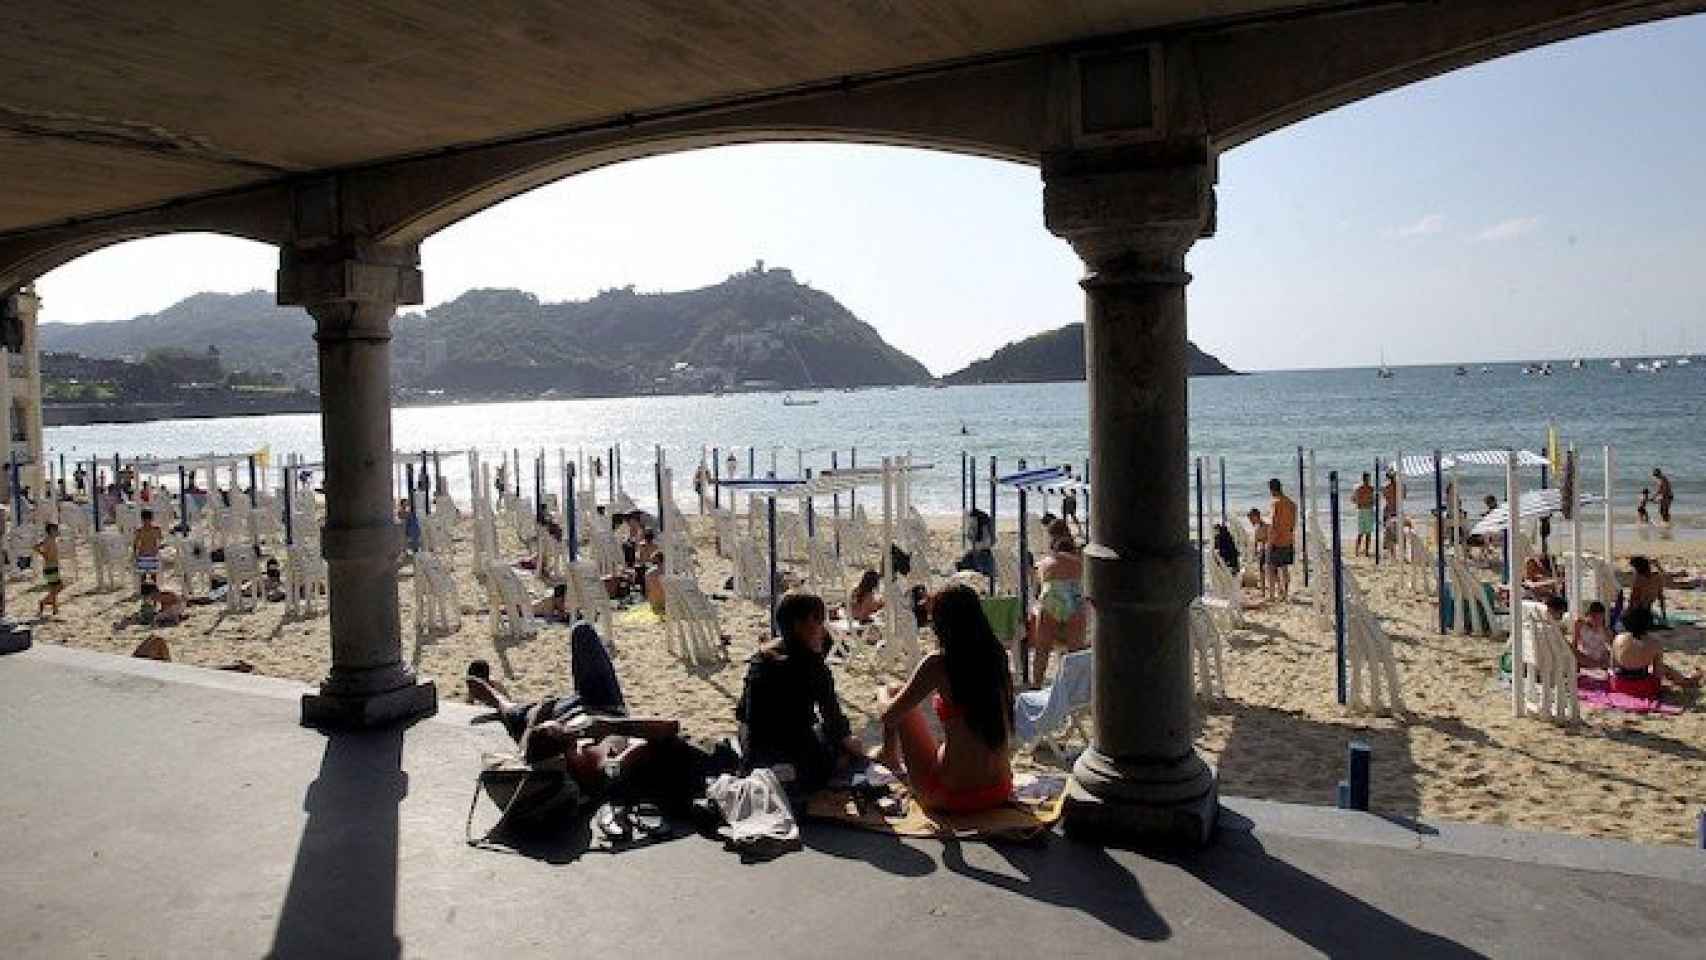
1513	497
1610	512
1455	532
1398	513
1574	482
889	628
1309	492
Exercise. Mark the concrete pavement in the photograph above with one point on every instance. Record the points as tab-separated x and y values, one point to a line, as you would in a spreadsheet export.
158	810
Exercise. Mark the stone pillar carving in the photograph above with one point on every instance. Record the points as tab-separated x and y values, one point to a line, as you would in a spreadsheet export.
1141	781
352	289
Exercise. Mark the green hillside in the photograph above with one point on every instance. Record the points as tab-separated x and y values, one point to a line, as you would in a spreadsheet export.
1057	355
756	326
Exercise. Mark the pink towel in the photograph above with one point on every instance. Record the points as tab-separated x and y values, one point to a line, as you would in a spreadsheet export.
1595	693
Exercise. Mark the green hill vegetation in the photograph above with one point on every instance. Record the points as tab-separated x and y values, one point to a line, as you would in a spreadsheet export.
1057	355
757	328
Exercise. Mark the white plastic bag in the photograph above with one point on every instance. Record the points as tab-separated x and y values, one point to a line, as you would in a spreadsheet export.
755	808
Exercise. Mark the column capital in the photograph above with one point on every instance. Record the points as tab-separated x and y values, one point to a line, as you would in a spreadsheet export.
349	270
1129	219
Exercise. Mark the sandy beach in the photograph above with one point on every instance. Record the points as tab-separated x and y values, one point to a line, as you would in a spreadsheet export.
1277	734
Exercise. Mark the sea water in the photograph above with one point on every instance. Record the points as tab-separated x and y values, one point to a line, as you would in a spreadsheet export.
1255	422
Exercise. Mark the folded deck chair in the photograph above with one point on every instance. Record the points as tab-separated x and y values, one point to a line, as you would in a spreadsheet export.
1046	715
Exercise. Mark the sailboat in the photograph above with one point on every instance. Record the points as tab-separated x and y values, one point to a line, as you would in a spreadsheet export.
1385	372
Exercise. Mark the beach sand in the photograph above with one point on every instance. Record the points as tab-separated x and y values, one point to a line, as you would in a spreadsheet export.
1457	755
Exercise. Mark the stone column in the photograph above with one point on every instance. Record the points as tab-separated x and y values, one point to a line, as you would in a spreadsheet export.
352	289
18	312
1141	782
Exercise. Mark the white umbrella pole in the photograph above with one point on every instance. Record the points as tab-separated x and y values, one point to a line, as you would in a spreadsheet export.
1610	511
888	538
1513	495
1573	478
1398	513
1455	495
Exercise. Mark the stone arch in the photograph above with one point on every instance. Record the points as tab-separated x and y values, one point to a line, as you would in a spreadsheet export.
453	209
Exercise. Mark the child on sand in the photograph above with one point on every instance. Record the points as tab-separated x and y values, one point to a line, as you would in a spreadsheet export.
1259	542
146	546
48	547
1641	507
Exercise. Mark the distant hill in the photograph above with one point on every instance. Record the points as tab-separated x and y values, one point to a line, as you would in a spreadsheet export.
1055	356
759	327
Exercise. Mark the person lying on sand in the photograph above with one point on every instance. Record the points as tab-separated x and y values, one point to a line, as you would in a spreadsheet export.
608	753
1637	659
555	606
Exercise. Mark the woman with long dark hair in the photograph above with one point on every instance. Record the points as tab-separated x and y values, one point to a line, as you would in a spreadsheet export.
973	698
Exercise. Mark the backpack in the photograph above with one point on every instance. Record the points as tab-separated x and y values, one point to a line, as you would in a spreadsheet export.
527	794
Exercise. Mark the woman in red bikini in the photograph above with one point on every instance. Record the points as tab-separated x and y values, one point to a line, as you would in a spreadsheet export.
972	692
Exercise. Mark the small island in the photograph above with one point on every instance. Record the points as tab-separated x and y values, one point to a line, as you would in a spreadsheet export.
1056	356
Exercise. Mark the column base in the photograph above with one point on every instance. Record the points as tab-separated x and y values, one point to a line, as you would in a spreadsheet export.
1142	806
331	709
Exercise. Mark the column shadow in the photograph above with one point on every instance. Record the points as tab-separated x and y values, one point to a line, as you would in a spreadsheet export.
342	899
1314	911
1071	875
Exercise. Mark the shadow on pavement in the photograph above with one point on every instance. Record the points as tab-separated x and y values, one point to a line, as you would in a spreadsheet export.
342	900
1074	876
1305	906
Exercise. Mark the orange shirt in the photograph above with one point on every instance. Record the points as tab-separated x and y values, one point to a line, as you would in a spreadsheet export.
1283	530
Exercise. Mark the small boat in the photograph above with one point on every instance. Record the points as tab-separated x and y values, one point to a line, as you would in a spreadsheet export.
791	402
1576	364
1641	367
1658	365
1684	361
1460	372
1546	369
1617	364
1486	369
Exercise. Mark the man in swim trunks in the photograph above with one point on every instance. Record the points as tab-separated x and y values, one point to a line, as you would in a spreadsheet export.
1363	496
1389	511
48	547
1282	538
1664	495
146	546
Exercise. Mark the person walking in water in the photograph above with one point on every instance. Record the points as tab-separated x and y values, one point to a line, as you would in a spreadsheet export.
1282	538
1364	497
1664	495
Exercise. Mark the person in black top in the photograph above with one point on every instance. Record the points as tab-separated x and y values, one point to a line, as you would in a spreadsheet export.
788	711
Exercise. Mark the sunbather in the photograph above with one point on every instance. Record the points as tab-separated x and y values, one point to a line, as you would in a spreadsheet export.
865	602
608	753
1637	659
1061	614
555	606
972	694
1592	638
1647	589
1539	578
789	713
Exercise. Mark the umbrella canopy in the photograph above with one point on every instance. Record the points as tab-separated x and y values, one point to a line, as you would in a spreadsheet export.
1534	503
1422	464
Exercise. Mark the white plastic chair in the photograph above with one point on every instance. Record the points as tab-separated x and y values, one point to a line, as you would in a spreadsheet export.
1047	715
307	580
1207	654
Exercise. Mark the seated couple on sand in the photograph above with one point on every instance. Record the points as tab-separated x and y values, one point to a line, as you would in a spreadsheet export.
790	714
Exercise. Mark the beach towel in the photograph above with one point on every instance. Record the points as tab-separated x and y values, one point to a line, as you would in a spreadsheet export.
1595	693
1034	810
638	616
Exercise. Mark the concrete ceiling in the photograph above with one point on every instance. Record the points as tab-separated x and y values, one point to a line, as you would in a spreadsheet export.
112	106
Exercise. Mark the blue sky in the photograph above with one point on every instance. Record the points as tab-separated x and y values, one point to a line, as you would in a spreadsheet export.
1544	205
